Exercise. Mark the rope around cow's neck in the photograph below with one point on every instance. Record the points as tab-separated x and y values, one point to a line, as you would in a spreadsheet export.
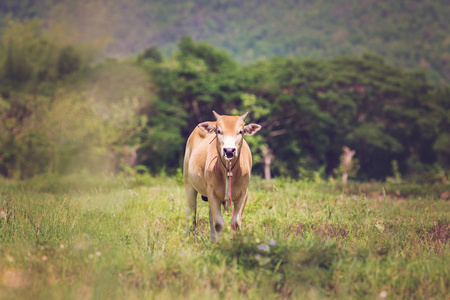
231	200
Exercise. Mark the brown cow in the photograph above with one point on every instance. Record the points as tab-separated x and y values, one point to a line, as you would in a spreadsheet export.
209	150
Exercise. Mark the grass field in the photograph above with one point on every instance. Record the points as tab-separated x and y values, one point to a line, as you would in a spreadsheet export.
123	238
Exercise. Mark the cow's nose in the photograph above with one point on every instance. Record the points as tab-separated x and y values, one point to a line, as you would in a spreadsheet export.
229	152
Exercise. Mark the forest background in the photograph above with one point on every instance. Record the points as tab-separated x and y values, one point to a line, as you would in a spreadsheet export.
103	86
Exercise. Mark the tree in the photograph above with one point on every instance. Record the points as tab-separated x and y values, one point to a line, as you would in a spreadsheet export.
69	61
318	106
196	80
151	53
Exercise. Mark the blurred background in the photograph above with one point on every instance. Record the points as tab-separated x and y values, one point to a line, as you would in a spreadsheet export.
106	87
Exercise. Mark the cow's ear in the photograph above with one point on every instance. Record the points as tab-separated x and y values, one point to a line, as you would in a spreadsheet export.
251	129
207	127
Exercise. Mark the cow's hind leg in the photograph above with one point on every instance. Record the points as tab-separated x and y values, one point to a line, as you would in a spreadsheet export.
191	209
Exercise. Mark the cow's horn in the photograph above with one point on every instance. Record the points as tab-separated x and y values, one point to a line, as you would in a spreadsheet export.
216	115
244	116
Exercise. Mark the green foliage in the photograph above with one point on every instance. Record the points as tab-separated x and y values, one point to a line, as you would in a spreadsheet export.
395	171
26	55
318	106
78	136
68	61
60	115
151	53
197	79
441	146
179	177
57	115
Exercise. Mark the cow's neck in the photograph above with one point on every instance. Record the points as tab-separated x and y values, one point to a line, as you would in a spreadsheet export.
229	168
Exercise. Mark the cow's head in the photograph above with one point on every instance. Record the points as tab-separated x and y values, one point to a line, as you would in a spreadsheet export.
230	131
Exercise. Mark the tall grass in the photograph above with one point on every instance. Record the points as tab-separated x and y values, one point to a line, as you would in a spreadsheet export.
123	238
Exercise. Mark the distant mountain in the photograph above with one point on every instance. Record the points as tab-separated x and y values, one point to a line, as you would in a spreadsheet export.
409	33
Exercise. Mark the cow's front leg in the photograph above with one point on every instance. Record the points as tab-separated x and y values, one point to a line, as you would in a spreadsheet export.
215	219
238	210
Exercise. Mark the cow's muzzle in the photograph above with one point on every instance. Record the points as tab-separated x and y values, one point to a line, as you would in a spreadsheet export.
229	152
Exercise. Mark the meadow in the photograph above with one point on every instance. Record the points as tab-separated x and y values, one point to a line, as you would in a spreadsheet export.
124	238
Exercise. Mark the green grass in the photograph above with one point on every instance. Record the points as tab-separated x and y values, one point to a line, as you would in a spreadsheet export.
123	238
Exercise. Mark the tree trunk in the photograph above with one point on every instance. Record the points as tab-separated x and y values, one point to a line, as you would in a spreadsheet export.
344	177
268	158
346	161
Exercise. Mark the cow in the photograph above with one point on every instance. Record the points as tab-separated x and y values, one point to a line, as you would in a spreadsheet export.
217	154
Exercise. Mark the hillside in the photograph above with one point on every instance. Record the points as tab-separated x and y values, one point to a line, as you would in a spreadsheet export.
409	34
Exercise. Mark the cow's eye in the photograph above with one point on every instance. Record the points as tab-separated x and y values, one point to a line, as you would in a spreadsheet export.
219	131
240	131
